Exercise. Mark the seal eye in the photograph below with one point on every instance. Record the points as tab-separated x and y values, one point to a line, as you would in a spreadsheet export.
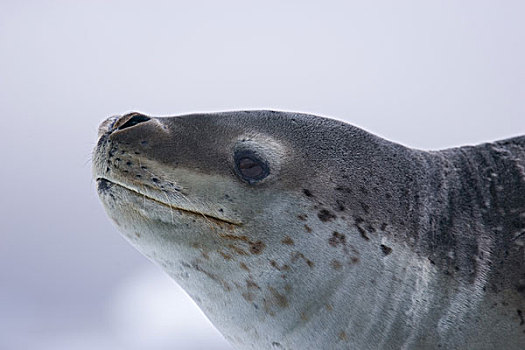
250	167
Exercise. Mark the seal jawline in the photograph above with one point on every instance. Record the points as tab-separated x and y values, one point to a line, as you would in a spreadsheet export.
104	184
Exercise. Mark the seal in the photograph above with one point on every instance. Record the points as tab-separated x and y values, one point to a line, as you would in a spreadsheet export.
293	231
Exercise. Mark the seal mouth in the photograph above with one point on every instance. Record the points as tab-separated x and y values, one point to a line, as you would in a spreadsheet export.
103	184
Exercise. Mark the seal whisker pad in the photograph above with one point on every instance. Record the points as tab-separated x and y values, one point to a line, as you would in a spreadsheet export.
293	231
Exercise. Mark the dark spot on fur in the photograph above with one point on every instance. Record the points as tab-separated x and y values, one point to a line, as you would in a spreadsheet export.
358	222
366	207
307	228
252	285
248	296
344	189
242	238
244	267
128	163
336	265
521	288
298	255
325	215
138	175
280	299
213	276
362	232
307	193
302	217
276	344
383	226
154	179
386	250
388	196
520	315
225	255
280	268
143	167
342	336
340	205
288	241
237	250
337	239
257	247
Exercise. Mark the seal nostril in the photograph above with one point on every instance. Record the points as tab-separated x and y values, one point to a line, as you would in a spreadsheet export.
136	119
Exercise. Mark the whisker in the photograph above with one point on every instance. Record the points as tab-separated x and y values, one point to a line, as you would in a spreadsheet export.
143	191
90	158
203	215
193	207
169	203
163	191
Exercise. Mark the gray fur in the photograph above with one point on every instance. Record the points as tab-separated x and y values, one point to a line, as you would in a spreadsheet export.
351	242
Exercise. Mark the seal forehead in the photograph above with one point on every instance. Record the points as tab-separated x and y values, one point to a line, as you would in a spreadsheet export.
206	143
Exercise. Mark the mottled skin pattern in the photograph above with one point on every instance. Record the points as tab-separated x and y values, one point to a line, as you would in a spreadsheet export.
351	242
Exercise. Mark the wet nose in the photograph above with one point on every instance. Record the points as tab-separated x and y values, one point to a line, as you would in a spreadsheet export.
121	122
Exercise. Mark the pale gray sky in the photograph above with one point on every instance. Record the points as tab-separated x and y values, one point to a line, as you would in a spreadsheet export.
426	74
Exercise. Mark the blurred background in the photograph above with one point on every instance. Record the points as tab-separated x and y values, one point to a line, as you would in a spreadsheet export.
426	74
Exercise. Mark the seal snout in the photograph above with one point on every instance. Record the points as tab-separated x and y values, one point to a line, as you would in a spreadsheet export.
107	125
121	122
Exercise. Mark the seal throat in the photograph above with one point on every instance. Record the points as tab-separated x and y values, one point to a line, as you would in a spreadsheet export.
214	219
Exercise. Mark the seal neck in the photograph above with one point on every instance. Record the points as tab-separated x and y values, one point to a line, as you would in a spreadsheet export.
478	203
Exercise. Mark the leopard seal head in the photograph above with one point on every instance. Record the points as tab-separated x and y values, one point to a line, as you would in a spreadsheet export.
293	231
